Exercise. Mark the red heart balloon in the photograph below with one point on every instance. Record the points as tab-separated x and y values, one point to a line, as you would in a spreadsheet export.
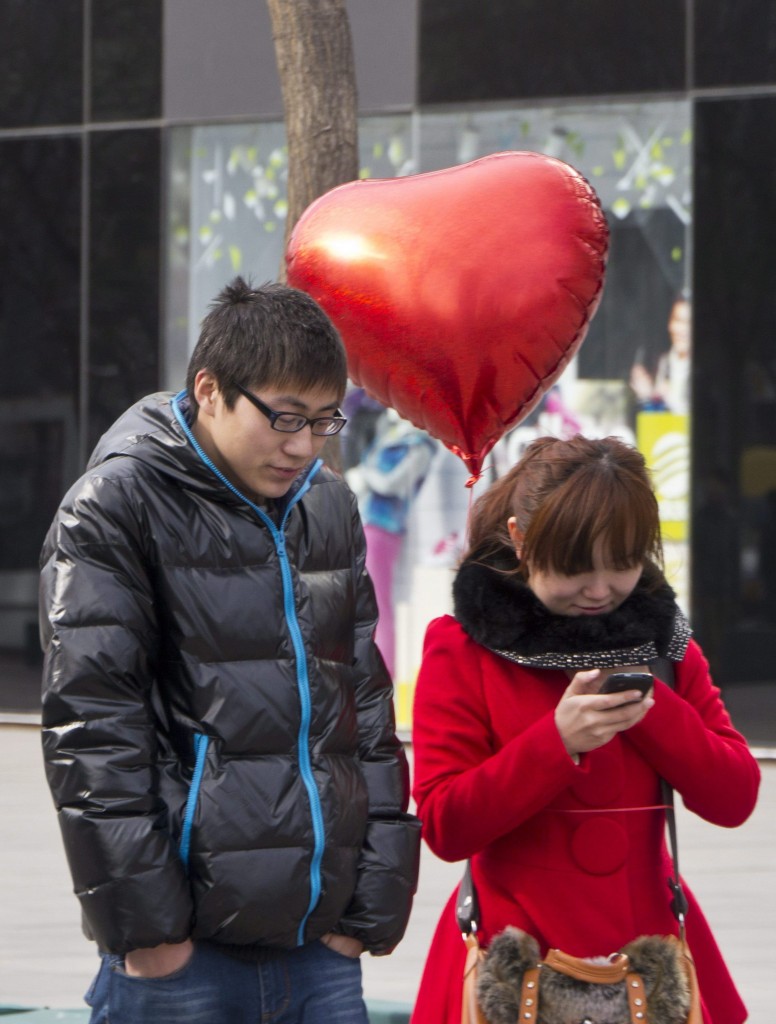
460	294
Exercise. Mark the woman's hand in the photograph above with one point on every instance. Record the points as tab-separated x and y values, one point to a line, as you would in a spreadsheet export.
158	961
587	719
343	945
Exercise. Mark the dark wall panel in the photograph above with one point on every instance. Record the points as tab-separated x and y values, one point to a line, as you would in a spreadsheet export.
533	48
41	62
124	340
734	396
735	43
39	317
126	74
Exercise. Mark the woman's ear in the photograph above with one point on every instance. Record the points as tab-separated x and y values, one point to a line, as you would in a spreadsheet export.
515	535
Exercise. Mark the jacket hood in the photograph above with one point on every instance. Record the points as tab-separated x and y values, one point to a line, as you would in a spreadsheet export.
150	432
153	432
499	611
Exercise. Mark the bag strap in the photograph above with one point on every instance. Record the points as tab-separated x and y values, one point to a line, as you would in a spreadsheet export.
529	996
467	908
664	669
607	973
470	1007
637	996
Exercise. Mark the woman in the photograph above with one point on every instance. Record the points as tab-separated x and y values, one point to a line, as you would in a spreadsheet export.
672	379
552	789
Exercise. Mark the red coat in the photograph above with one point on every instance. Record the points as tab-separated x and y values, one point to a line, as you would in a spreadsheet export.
558	849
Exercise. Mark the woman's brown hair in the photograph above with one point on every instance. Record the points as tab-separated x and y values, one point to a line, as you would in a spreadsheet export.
565	494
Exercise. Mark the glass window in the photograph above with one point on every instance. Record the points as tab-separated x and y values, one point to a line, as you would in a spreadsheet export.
631	376
227	207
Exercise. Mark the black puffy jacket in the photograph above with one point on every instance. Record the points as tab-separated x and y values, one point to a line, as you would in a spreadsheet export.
218	725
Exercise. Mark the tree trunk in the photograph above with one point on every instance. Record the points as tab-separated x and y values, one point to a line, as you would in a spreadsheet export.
314	54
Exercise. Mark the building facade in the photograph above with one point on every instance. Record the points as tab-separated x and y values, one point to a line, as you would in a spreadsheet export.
142	164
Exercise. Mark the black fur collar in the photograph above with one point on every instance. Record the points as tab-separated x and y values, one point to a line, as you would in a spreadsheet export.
500	612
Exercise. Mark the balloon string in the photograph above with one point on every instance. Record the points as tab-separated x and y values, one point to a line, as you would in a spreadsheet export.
470	484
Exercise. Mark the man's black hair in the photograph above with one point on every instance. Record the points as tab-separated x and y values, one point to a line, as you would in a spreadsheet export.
271	336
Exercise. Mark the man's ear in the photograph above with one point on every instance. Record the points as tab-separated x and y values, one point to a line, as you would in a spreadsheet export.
205	392
515	535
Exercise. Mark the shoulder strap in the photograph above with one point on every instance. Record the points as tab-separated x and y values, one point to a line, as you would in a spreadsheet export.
664	668
467	909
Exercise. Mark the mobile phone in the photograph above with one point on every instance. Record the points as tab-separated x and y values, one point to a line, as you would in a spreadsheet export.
619	682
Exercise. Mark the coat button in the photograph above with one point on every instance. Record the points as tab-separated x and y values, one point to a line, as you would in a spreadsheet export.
599	846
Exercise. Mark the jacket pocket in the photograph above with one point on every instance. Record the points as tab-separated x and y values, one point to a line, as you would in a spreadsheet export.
387	880
201	742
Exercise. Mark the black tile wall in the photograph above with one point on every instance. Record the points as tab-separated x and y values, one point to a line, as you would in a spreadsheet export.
126	70
512	49
734	393
735	43
125	262
735	273
41	62
39	336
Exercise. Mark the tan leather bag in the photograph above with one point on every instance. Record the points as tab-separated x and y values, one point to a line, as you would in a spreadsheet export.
524	985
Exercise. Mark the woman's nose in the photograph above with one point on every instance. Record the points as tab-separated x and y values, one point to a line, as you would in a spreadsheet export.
596	586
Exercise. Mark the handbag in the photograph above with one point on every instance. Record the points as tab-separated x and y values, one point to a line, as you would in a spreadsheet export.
651	980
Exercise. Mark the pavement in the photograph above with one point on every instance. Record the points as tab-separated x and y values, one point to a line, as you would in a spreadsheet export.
46	962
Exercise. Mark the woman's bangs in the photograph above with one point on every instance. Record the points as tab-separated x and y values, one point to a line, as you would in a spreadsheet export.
631	532
623	516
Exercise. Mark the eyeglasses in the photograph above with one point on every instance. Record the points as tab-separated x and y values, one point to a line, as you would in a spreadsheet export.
293	422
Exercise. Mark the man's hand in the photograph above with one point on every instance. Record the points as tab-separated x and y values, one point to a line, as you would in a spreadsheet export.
343	945
158	961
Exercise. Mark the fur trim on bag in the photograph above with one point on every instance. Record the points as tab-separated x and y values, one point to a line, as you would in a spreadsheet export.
563	999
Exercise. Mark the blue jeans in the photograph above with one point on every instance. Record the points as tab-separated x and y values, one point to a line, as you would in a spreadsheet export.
308	985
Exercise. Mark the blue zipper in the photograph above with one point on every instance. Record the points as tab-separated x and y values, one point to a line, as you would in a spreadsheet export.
201	742
302	675
303	740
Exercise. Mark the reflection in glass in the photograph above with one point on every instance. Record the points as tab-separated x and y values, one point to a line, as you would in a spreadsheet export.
631	376
227	203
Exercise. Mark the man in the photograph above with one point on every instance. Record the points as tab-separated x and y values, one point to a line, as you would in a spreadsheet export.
218	725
